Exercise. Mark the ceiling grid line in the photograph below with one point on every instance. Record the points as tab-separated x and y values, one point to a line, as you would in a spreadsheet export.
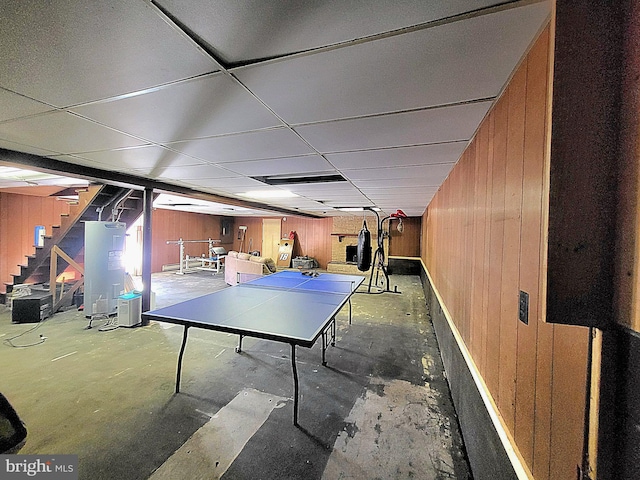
208	97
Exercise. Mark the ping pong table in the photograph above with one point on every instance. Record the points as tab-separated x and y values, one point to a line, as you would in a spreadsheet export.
288	306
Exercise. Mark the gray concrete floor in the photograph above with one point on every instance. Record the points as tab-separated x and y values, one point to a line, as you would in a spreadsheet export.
381	408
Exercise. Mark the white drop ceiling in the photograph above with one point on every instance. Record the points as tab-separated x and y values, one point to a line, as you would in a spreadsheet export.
206	94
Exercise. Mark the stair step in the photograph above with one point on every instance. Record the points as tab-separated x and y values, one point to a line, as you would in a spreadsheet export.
69	233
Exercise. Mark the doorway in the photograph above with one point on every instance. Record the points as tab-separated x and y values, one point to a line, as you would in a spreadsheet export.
271	231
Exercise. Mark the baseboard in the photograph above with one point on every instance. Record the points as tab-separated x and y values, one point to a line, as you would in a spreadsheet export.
489	447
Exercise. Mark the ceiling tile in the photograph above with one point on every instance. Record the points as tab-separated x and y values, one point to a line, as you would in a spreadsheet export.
64	132
17	147
416	69
300	25
13	106
431	175
282	166
395	191
311	189
437	125
228	184
150	159
118	87
64	53
202	107
434	174
418	155
190	172
275	143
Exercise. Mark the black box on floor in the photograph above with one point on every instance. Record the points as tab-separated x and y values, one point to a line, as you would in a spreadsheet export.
32	308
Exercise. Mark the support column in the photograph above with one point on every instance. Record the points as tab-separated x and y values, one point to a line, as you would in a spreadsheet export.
146	251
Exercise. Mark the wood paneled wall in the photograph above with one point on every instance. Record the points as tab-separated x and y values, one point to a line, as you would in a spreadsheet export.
19	215
168	225
407	243
313	237
483	240
253	234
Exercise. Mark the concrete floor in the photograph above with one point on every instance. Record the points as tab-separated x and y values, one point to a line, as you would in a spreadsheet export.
380	409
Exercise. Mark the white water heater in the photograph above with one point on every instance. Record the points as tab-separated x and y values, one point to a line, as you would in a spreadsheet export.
104	273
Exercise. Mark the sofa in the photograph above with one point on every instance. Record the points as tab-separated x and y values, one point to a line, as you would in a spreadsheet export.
240	267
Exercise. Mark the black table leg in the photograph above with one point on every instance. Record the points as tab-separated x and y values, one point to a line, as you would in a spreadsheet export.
295	384
333	332
184	344
324	347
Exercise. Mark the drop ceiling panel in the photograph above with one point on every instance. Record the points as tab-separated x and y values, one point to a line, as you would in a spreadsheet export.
311	189
186	204
282	166
279	142
76	160
418	69
396	191
326	197
228	184
297	202
131	93
63	132
147	158
435	174
191	172
418	155
13	105
65	53
381	182
202	107
17	147
437	125
243	30
402	200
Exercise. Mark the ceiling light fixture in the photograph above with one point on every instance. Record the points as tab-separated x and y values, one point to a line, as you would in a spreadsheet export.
298	179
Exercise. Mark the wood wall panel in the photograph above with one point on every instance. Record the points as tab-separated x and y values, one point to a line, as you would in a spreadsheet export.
169	225
515	99
407	243
496	240
483	242
569	387
538	414
477	255
253	234
19	215
531	245
313	237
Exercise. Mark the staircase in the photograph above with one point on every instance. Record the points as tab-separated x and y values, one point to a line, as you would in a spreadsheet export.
97	202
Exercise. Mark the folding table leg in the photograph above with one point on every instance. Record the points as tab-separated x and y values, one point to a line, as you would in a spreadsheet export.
333	332
239	347
295	384
184	344
324	347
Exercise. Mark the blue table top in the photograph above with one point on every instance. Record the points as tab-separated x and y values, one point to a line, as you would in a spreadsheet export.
286	306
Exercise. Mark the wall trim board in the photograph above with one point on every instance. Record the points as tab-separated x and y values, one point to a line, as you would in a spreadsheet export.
477	411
